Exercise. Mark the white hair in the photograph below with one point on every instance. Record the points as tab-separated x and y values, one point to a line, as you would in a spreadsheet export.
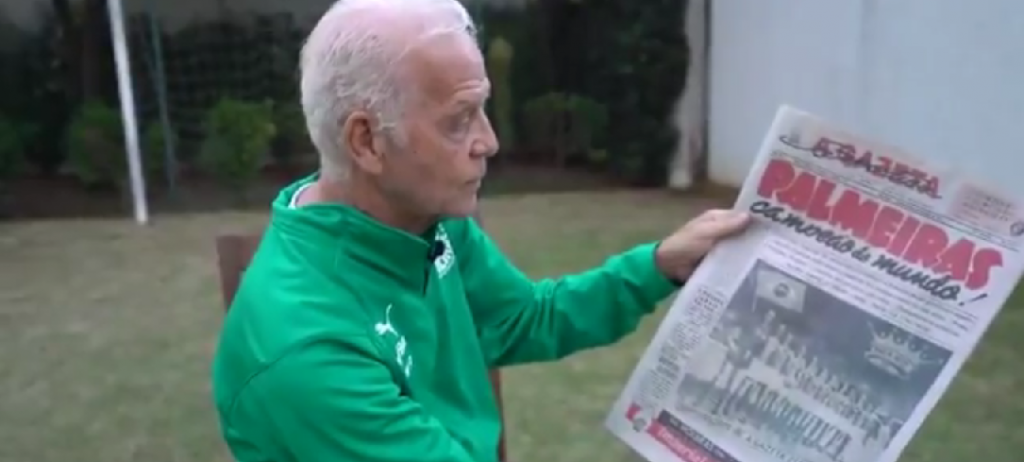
348	60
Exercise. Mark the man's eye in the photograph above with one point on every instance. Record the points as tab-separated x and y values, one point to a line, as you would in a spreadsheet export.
462	122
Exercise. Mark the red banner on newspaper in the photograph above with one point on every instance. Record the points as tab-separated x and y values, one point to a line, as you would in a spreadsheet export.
890	239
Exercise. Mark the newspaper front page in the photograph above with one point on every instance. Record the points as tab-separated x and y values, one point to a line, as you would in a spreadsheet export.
830	330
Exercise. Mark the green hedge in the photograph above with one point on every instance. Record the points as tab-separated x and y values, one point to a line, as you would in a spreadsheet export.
634	62
630	56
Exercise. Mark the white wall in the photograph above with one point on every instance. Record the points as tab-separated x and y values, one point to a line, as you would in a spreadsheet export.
943	79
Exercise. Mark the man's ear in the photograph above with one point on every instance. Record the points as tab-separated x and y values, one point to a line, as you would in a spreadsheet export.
357	134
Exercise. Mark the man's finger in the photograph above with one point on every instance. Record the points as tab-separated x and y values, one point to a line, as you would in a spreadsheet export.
715	214
724	224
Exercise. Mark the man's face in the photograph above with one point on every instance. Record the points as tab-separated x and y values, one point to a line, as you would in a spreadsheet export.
438	168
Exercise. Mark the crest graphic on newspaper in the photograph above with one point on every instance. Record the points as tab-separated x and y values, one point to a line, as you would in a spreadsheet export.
896	354
780	289
1017	228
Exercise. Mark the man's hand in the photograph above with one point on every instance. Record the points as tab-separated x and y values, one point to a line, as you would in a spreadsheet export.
680	253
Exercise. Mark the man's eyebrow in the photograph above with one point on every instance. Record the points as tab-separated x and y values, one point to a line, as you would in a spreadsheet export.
462	105
470	98
465	103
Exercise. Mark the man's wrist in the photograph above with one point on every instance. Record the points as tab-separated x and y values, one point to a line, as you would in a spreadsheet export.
662	268
673	275
680	282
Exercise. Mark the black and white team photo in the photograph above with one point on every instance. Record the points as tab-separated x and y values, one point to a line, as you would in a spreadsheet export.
801	375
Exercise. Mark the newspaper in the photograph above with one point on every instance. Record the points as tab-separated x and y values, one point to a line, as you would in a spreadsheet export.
830	330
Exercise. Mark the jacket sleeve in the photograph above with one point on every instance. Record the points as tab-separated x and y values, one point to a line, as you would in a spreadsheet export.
520	321
335	401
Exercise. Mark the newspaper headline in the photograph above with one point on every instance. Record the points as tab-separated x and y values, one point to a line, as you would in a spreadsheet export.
886	238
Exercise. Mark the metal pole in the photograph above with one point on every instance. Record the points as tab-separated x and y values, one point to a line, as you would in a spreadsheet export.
131	129
160	81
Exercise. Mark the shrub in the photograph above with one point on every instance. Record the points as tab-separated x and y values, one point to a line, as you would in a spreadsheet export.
154	152
290	124
499	64
632	57
12	143
11	160
238	135
95	147
564	124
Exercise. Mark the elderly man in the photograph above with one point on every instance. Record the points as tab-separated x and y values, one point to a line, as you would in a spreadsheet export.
364	328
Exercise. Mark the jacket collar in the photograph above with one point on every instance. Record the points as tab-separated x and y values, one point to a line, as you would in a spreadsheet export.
349	234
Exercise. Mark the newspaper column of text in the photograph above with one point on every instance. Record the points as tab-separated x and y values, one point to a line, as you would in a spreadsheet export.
690	329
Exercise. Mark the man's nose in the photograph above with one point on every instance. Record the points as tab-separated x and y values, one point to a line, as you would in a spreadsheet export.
486	143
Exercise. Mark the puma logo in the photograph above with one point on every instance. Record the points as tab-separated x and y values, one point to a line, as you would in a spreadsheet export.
402	356
386	327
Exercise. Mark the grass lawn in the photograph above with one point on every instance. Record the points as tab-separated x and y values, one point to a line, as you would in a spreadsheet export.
106	331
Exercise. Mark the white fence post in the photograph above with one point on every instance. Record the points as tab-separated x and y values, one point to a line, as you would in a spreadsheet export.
131	129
